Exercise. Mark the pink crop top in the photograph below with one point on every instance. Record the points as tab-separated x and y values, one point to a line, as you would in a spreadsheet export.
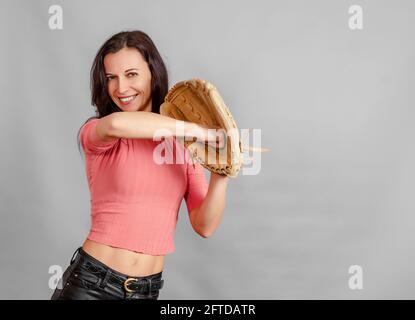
134	200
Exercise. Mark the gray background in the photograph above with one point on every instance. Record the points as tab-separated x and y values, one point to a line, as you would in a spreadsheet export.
334	105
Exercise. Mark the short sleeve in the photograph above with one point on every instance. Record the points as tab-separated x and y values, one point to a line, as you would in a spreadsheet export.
90	141
197	186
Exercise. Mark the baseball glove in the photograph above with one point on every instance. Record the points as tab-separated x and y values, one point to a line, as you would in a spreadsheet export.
198	101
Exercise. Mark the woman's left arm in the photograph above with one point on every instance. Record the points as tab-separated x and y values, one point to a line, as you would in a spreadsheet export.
206	219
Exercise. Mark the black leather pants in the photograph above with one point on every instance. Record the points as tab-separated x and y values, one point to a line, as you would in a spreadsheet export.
86	278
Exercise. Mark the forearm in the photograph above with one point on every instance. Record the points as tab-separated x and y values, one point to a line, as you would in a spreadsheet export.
209	215
147	125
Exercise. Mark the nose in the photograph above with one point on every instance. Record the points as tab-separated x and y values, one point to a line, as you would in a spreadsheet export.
122	85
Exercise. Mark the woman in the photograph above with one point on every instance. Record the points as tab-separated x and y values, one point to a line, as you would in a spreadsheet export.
134	199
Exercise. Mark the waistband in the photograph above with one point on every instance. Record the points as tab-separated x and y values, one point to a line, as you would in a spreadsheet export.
108	275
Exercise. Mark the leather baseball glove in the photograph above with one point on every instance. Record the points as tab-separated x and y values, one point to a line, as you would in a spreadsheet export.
198	101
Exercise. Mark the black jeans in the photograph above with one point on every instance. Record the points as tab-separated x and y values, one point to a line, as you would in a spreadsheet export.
87	278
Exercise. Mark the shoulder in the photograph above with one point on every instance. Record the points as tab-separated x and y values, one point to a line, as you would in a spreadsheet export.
89	122
88	127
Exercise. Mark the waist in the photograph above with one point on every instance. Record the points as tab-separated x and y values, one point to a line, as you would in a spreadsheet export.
128	262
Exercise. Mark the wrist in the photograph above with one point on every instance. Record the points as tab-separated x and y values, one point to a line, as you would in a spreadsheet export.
190	130
194	130
217	176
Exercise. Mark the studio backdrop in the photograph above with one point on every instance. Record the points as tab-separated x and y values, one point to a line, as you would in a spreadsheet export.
329	212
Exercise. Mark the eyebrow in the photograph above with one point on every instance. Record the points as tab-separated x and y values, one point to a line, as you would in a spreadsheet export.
124	71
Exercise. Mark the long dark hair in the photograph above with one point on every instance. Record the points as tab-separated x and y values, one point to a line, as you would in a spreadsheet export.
100	98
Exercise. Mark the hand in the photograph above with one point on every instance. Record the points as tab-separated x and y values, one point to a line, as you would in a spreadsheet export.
215	137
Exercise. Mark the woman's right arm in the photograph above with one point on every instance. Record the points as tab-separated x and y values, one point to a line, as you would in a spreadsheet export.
145	125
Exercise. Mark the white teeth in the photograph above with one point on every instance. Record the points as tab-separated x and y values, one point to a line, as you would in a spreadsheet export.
127	99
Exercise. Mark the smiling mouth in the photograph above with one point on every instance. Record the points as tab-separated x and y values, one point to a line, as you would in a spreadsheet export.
127	100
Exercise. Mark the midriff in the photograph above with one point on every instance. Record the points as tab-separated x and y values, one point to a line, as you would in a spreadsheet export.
131	263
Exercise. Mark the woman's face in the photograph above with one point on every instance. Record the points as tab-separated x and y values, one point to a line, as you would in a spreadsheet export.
129	80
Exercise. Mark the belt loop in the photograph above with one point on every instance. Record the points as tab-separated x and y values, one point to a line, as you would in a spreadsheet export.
105	280
149	285
74	254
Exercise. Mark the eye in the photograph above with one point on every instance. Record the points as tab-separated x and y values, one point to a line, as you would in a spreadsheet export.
131	74
110	78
